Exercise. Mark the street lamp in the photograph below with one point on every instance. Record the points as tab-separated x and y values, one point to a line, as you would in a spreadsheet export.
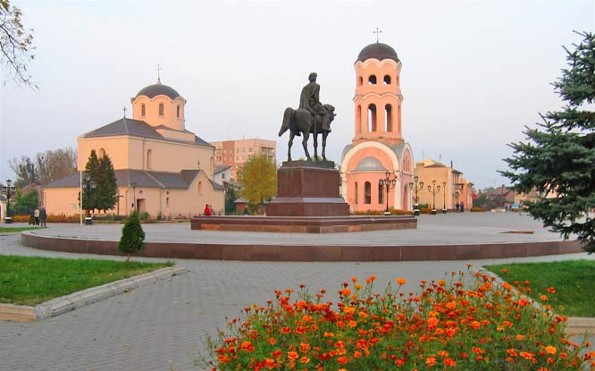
8	190
421	186
444	206
433	189
133	185
388	182
88	190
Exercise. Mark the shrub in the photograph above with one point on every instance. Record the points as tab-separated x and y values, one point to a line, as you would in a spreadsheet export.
133	236
478	210
476	326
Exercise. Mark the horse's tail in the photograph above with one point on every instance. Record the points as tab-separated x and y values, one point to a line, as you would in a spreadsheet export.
287	117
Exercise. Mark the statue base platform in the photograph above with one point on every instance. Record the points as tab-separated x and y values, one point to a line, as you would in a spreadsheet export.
308	188
289	224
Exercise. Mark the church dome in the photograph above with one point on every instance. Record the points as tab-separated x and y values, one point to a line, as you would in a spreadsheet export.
378	51
154	90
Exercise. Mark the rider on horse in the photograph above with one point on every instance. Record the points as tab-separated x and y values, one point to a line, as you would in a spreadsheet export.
309	100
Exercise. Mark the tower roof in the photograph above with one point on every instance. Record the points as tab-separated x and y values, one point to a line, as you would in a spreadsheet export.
378	51
154	90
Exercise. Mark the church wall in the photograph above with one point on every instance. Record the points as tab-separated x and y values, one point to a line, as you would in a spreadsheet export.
152	117
117	148
61	201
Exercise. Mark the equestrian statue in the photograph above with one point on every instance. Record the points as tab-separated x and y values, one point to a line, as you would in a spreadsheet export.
311	117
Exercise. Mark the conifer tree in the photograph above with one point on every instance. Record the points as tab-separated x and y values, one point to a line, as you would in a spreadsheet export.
133	236
558	160
90	178
107	188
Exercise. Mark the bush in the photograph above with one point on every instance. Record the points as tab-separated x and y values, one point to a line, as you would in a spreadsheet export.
478	210
133	236
482	326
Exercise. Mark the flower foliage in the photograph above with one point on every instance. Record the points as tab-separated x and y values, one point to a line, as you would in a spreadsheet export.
449	325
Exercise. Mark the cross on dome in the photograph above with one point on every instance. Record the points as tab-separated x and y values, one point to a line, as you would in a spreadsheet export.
377	32
158	69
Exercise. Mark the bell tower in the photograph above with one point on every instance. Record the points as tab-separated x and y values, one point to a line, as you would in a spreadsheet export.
378	95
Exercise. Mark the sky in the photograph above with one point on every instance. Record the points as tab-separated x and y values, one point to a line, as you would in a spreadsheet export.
474	73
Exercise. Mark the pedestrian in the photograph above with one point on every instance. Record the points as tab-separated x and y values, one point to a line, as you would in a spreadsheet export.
36	214
212	211
207	211
457	206
32	217
462	206
43	216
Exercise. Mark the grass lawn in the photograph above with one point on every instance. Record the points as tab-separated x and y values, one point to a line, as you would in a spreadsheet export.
573	280
16	229
34	280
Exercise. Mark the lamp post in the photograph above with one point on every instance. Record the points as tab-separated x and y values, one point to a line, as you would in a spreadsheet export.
133	185
433	189
388	182
421	186
444	205
88	190
8	190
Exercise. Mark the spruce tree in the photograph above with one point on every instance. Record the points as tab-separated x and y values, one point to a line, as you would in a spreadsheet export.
558	160
90	183
107	188
133	236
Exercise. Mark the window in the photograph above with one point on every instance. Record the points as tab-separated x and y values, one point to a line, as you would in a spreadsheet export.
167	201
356	193
199	188
388	113
223	175
161	109
372	80
380	194
360	81
149	159
386	80
367	193
178	111
143	110
372	118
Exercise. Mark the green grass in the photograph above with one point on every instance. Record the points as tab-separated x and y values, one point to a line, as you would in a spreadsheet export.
573	280
34	280
16	229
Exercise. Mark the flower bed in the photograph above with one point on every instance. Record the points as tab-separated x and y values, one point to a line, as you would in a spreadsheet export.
478	325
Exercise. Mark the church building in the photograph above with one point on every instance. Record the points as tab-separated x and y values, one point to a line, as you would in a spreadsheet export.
377	155
161	168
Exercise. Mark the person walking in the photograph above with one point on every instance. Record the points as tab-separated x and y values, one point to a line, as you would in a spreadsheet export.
43	216
36	215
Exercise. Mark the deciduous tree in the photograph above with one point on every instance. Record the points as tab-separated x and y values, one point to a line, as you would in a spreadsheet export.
558	159
258	180
16	43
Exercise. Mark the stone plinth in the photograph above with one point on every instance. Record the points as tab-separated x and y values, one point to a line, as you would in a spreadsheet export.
306	188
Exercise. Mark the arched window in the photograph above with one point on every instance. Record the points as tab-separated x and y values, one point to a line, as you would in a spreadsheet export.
380	194
161	109
372	117
387	79
178	111
199	188
143	110
367	193
388	113
358	119
356	193
101	153
149	158
372	80
360	81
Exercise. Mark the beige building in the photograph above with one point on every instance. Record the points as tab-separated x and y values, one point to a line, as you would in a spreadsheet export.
440	186
235	153
161	168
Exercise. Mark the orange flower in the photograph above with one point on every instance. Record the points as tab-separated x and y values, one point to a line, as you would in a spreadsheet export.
401	281
286	330
304	359
449	362
304	347
526	355
543	298
276	353
432	322
519	337
357	354
272	341
431	361
354	279
550	349
292	355
507	286
551	290
247	346
476	325
342	360
269	363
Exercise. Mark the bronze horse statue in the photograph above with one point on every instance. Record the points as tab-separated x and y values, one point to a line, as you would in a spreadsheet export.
302	122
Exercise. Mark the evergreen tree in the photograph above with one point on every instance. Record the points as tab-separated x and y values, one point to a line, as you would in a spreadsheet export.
90	182
23	204
133	236
558	160
107	188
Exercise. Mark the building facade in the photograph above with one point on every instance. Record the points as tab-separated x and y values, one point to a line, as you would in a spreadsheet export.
377	150
161	168
236	153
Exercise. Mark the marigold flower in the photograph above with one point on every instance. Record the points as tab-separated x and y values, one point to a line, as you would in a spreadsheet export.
526	355
511	352
286	330
304	359
292	355
550	349
304	347
551	290
431	361
247	346
357	354
449	362
269	363
475	325
519	337
543	298
277	353
433	321
401	281
342	360
272	341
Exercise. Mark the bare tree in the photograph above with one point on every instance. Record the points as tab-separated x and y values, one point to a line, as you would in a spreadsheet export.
16	43
47	167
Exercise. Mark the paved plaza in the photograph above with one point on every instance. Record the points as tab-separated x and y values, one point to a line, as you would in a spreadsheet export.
161	325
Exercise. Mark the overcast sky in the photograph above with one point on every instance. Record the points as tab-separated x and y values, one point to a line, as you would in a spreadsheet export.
474	73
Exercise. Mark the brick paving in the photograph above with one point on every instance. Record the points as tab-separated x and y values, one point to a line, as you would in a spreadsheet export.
161	326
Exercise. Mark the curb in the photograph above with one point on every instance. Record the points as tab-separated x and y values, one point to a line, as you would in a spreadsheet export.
575	326
67	303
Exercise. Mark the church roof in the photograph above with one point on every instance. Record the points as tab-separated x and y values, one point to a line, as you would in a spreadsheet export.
147	179
378	51
154	90
125	126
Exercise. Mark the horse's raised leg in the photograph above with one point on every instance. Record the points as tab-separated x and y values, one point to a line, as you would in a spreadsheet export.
291	135
305	144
